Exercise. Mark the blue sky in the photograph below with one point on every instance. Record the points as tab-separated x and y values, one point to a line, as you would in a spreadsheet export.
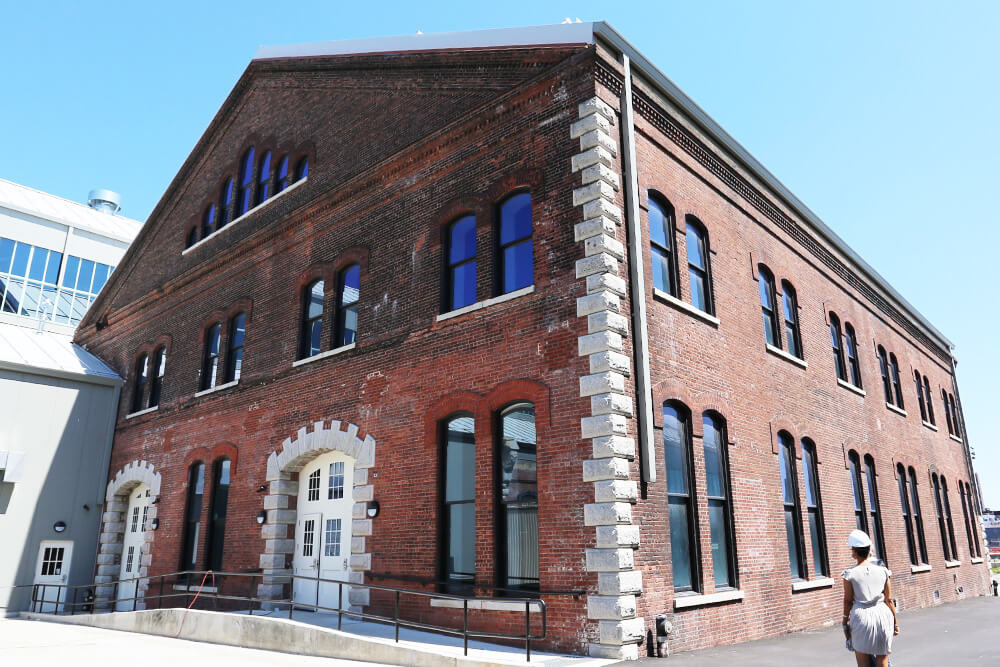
881	117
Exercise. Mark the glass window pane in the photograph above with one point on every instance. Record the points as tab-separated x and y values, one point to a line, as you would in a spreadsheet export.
713	458
658	225
787	483
349	325
699	298
461	563
52	270
315	337
793	343
72	268
19	267
793	555
766	288
351	285
6	254
720	546
86	277
463	240
675	443
519	270
680	546
661	271
238	331
39	258
463	285
518	474
695	247
101	272
769	334
515	218
807	474
819	567
460	460
315	308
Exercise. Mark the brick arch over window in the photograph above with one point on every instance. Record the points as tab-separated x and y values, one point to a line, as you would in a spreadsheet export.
112	535
290	458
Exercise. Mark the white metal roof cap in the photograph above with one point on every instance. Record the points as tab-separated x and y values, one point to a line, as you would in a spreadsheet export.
47	352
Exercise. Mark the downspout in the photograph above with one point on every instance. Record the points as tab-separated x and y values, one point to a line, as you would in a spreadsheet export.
637	285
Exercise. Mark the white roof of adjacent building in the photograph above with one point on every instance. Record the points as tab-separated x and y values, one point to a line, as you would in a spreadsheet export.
27	350
23	199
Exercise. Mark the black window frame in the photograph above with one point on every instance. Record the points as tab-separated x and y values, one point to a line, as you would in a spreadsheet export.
281	175
502	536
904	503
930	402
501	247
344	308
790	306
836	338
263	192
917	515
244	187
947	411
918	380
192	516
689	498
704	273
970	497
719	426
810	462
208	220
668	253
851	349
965	517
766	288
210	358
226	202
939	506
141	375
307	323
883	363
157	372
236	341
875	508
302	169
948	518
191	238
464	582
218	512
896	384
452	266
858	491
792	508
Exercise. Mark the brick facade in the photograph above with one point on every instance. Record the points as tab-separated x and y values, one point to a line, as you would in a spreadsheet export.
401	145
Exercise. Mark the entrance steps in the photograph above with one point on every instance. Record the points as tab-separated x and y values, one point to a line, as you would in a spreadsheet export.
312	634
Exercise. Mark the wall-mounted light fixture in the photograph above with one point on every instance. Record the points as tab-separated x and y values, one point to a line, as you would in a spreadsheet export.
59	526
262	516
154	524
262	488
372	509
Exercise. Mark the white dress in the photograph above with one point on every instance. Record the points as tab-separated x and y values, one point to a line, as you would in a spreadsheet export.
871	619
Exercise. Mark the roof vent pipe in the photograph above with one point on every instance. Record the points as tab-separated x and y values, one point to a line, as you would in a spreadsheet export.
104	200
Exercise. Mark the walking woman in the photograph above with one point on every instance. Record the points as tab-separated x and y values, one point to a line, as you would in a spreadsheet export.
869	615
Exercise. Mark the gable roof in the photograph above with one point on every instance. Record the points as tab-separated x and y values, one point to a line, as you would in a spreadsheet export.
25	350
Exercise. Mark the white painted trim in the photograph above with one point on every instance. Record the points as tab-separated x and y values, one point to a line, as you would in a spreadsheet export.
142	412
955	438
825	582
977	560
952	563
324	355
486	303
686	307
490	605
218	387
245	215
895	409
914	569
778	352
850	387
929	425
688	601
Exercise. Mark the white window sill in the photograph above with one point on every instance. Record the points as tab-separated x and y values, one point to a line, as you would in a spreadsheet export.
489	605
825	582
245	215
142	412
324	355
778	352
688	601
479	305
952	563
195	587
218	387
929	425
977	560
955	438
914	569
895	409
686	307
850	387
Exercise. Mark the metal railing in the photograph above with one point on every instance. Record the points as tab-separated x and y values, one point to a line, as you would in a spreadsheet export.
181	588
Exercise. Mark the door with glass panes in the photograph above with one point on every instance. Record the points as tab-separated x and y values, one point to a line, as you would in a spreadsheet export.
135	530
323	532
52	571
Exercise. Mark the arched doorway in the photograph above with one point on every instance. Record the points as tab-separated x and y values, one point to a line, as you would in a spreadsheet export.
133	541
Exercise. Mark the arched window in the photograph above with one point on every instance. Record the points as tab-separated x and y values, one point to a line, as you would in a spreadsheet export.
245	195
791	308
920	395
192	516
684	547
930	401
851	346
518	491
860	515
918	520
699	269
904	502
210	357
220	508
311	336
282	181
234	358
192	237
302	169
461	263
208	221
141	375
720	509
939	507
883	364
878	542
348	293
838	351
814	508
793	511
661	249
954	415
767	301
896	385
458	502
263	178
946	503
972	519
226	204
159	369
965	516
517	262
947	411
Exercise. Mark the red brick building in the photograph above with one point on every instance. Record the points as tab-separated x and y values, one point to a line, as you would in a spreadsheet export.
516	295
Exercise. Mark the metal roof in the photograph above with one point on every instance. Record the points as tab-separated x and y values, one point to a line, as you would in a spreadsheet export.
17	197
27	350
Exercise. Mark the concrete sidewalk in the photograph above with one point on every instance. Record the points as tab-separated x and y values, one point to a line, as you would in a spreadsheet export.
953	634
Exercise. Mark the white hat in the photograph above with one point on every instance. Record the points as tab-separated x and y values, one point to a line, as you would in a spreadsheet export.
858	538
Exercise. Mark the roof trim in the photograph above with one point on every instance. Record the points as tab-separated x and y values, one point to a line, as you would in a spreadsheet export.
86	378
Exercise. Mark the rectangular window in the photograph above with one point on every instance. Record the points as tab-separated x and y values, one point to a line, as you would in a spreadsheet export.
965	516
793	515
814	508
878	543
52	561
331	544
237	334
313	491
129	561
458	509
860	519
462	263
210	360
719	507
939	506
517	263
680	499
911	543
135	519
192	516
518	498
918	521
335	490
947	518
661	245
308	536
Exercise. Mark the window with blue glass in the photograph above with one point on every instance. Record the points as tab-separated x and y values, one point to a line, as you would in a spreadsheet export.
192	237
461	263
661	246
312	320
263	178
791	308
458	503
517	264
767	303
682	511
302	169
282	181
226	204
348	294
244	197
699	274
208	221
720	509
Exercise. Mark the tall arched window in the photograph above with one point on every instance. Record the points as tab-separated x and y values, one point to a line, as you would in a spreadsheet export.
661	249
720	509
883	365
192	516
263	178
208	221
793	511
282	181
947	412
244	197
220	508
904	502
141	375
918	520
972	519
159	369
312	320
930	401
699	269
954	415
767	301
684	547
965	516
814	508
210	357
896	385
860	515
192	237
226	204
838	351
791	309
518	491
517	261
874	509
461	287
348	293
947	518
851	346
920	395
234	358
939	507
302	169
458	503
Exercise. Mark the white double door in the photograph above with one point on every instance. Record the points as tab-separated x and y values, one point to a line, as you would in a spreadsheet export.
135	532
323	532
51	572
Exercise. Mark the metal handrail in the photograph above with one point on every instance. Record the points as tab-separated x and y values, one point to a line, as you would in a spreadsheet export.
471	585
38	601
